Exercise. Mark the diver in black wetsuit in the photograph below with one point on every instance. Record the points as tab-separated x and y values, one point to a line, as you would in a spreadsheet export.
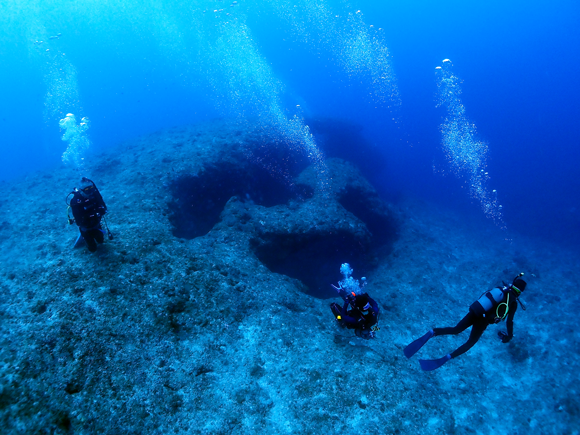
88	208
491	308
363	315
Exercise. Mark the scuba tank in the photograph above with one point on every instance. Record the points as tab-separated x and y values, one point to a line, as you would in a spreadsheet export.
74	191
496	302
489	300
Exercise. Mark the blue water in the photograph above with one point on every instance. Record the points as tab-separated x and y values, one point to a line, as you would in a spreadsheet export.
143	66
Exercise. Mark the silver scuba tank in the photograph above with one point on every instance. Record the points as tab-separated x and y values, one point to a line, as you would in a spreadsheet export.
485	301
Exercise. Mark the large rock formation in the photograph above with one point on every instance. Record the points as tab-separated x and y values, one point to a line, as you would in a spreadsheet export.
175	322
208	311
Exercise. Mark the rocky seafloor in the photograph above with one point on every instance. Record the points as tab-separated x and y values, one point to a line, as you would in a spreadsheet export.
208	313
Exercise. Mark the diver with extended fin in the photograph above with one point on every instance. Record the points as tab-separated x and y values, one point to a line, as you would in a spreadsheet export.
88	208
492	307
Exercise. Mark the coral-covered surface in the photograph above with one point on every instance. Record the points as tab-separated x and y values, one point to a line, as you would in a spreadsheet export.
208	313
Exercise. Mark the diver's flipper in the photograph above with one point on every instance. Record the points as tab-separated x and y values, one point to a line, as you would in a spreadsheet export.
431	364
337	311
80	242
414	347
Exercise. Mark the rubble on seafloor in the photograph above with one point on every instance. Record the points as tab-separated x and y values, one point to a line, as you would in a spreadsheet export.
208	311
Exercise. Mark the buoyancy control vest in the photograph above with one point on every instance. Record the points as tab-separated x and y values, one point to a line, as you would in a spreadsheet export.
87	210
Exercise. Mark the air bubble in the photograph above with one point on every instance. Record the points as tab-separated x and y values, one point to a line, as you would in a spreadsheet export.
466	154
74	134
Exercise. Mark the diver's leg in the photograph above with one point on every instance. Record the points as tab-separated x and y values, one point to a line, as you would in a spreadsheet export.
99	235
479	326
470	319
90	240
478	323
463	324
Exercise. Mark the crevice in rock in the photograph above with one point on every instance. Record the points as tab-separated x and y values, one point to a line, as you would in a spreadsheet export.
372	213
344	139
312	259
199	199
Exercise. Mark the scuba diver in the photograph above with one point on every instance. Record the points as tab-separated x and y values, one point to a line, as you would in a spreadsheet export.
88	209
363	315
491	308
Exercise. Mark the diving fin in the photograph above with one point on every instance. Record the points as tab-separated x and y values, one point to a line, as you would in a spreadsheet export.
80	242
336	310
414	347
428	365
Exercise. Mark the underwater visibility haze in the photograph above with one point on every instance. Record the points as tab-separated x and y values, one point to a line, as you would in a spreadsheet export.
242	156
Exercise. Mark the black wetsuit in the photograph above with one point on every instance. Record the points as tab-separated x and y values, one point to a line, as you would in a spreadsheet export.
479	323
88	212
356	318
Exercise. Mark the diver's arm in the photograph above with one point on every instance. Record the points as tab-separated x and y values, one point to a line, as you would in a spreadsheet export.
77	210
350	321
101	201
374	306
510	320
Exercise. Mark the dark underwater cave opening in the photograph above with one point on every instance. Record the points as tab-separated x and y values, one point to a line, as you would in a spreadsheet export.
313	259
198	200
284	160
382	226
344	139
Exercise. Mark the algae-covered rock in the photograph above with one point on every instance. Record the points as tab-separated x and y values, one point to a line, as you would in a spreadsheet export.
176	323
207	313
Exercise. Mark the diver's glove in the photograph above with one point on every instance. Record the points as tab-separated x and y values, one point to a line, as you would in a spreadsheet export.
504	337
